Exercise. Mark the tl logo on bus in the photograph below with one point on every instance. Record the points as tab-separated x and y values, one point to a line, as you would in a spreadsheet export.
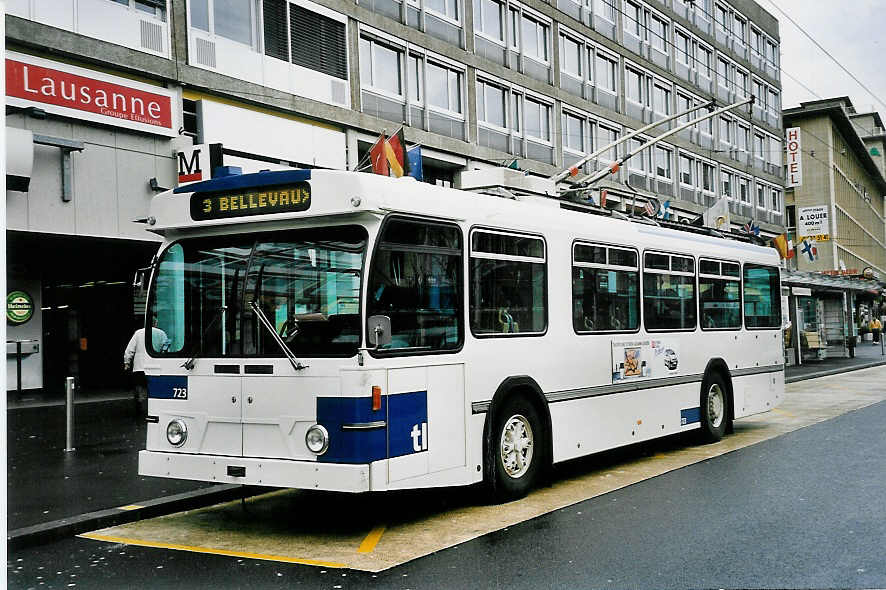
419	436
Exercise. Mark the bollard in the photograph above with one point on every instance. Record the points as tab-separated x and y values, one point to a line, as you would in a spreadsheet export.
69	414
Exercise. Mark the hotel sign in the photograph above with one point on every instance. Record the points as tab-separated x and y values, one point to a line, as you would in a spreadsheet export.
80	93
794	161
280	199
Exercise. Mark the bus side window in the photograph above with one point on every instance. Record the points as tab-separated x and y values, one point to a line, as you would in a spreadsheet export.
508	283
605	289
416	280
762	297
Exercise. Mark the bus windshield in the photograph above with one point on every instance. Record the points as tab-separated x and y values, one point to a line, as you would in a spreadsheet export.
306	282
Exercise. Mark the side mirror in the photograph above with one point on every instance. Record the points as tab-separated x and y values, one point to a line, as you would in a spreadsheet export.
379	328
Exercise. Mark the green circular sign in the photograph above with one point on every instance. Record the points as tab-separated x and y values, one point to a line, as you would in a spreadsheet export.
19	307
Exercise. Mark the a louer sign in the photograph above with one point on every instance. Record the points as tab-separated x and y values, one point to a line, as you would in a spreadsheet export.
77	92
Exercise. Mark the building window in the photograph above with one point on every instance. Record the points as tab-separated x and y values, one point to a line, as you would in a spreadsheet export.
668	292
663	162
606	9
661	102
490	104
719	294
318	42
739	28
726	180
380	67
703	63
508	284
776	200
231	19
447	8
605	75
682	47
638	162
634	83
658	33
725	128
570	57
744	194
416	280
535	38
742	137
538	117
721	18
761	196
573	132
633	19
491	15
762	297
605	289
444	87
686	170
707	177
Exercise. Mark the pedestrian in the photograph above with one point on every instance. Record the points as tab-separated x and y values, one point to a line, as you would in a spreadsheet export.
876	327
134	360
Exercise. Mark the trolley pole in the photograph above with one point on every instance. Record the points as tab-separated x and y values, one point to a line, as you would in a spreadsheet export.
69	414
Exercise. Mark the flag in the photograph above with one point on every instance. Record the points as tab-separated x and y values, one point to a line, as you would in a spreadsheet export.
603	194
396	154
652	207
665	213
413	163
515	165
751	228
377	156
717	216
784	246
808	247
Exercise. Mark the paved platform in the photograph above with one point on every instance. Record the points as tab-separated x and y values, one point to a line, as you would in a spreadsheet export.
51	493
378	532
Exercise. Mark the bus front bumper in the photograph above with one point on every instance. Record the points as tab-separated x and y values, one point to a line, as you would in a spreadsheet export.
256	471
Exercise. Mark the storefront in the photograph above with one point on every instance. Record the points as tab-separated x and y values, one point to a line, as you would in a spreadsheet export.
96	147
823	314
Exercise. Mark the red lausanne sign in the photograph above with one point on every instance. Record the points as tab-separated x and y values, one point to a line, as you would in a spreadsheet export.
62	89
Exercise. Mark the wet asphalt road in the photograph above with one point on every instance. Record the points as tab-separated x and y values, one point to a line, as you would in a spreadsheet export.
804	510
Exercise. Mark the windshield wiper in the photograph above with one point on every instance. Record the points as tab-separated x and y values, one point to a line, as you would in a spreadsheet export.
189	364
270	328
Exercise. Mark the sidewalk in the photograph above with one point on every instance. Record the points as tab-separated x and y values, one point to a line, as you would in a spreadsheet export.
866	355
51	490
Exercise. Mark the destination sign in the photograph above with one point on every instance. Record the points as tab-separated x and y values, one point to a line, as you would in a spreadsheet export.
280	199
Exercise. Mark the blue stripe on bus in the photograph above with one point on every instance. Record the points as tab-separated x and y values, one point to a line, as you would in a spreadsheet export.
168	387
406	415
256	179
690	416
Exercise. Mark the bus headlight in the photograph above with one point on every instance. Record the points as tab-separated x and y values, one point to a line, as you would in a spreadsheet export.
317	439
177	433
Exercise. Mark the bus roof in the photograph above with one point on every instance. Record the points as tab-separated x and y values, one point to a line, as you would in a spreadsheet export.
311	194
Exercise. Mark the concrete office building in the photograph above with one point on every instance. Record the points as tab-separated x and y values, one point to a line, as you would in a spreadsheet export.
283	83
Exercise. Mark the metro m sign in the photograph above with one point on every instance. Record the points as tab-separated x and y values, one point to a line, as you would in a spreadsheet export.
198	161
794	161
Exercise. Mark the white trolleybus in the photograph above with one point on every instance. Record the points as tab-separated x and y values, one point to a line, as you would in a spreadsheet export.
346	331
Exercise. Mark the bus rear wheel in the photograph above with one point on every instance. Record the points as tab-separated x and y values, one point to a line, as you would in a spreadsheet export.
714	408
517	449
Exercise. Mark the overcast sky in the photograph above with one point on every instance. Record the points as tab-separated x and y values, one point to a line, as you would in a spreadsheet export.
853	31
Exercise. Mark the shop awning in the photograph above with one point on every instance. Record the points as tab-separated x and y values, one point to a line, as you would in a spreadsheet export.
813	280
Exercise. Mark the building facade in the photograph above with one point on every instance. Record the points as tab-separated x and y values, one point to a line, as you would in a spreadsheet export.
837	159
299	83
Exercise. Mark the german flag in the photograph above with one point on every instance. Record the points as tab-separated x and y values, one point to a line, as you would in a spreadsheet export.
395	151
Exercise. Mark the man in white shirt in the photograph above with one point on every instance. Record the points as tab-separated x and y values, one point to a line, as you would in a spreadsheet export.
134	360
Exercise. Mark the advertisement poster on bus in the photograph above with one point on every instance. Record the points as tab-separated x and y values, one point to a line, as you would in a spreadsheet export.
636	359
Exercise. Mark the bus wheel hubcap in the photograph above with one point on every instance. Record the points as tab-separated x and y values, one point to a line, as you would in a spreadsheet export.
715	405
515	446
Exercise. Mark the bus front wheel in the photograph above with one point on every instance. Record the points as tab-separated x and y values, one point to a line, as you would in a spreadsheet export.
714	408
517	449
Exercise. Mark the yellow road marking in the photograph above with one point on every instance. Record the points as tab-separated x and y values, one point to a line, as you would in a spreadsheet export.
211	550
130	507
783	413
371	540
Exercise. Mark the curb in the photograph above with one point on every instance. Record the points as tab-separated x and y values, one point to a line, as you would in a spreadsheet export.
74	525
836	371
